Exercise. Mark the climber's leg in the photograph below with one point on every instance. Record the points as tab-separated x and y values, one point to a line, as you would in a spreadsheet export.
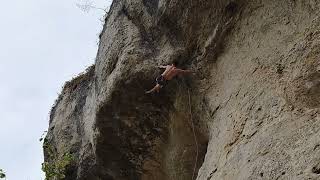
155	88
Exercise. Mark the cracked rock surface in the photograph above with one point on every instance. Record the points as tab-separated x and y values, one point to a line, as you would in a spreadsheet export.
253	103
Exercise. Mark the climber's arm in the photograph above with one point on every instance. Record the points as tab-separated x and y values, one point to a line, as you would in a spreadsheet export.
181	71
162	67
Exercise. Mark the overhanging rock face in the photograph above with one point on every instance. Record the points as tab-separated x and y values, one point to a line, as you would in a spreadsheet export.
251	110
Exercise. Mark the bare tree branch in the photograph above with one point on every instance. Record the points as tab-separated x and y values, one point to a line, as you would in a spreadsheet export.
88	5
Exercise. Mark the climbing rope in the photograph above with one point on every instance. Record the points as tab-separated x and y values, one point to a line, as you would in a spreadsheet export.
194	135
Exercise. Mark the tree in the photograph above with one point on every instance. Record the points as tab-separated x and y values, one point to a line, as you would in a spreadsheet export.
88	5
2	174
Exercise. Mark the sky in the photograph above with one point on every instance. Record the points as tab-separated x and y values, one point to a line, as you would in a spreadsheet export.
43	44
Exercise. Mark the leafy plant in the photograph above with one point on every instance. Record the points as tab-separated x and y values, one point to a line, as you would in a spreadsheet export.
56	166
2	174
56	170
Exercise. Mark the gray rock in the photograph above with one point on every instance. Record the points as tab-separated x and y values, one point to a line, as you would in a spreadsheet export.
253	102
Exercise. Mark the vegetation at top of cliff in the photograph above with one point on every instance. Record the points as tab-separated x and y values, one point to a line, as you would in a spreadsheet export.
55	168
2	174
72	85
75	81
88	5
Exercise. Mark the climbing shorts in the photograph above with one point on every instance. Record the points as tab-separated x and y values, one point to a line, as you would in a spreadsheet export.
161	81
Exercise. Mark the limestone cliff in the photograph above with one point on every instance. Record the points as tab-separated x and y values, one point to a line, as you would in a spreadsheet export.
253	103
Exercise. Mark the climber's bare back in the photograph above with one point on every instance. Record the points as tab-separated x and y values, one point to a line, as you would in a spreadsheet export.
169	73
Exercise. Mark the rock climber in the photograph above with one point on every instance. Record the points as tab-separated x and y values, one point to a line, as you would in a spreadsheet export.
170	72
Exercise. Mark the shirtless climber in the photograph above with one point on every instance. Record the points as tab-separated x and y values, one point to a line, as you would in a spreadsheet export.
170	72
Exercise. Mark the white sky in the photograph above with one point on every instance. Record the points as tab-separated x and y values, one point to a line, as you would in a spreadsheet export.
43	43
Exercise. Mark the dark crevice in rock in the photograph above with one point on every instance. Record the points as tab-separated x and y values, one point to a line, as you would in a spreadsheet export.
316	169
212	173
129	130
232	8
151	5
261	174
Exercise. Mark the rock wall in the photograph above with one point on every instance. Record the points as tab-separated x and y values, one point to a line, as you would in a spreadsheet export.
251	110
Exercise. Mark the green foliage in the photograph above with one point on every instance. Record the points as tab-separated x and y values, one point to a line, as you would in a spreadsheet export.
56	167
2	174
56	170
